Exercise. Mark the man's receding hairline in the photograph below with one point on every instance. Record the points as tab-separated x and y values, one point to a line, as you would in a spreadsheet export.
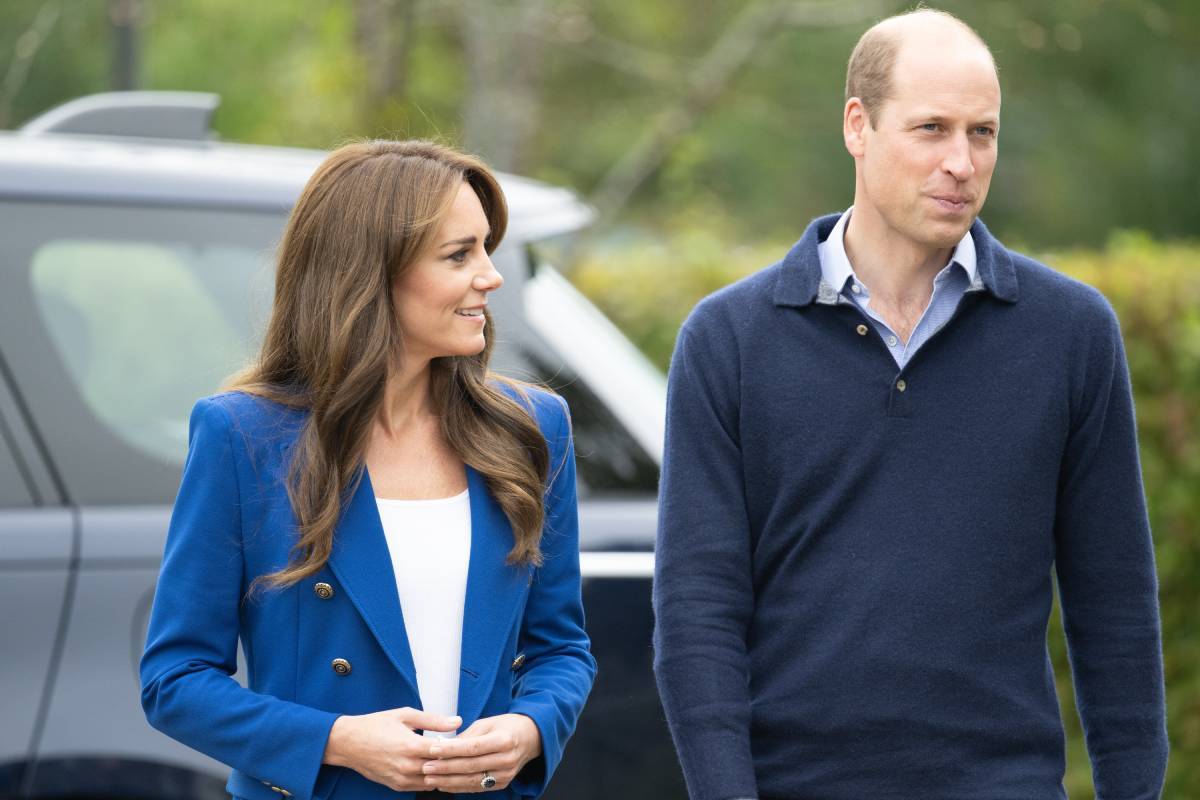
899	22
877	49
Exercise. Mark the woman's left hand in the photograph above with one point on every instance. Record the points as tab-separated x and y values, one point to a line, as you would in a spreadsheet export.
499	746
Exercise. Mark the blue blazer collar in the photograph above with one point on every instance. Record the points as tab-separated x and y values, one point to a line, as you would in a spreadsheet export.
362	563
799	277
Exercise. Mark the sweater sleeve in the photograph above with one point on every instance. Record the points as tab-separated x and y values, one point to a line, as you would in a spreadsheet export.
559	669
188	691
703	593
1107	581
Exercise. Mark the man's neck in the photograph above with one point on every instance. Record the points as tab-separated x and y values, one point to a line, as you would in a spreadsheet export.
897	270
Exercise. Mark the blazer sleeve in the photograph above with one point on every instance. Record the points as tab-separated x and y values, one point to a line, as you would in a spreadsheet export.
188	691
559	668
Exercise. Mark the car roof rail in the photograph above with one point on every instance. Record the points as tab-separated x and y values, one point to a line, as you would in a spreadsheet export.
147	115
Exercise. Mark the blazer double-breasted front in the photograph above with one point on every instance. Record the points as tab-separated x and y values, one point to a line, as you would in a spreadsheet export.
335	643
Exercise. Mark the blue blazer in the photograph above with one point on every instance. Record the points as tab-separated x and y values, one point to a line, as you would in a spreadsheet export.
524	648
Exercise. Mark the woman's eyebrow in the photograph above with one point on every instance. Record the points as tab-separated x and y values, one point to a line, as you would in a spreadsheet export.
467	240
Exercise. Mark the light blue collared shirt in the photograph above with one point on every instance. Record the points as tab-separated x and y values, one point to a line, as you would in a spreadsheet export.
949	285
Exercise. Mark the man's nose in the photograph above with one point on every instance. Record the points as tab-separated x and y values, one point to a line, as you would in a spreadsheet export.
958	157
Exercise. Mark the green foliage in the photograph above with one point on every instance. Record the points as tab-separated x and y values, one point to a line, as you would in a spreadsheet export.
1155	289
648	287
294	73
1101	98
74	58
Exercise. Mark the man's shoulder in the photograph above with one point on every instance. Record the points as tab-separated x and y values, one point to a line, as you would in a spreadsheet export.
761	297
1058	293
735	305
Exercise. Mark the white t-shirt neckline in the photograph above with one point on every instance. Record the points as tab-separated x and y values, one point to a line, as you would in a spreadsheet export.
429	542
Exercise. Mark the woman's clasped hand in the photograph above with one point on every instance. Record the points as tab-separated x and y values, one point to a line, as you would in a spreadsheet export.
385	747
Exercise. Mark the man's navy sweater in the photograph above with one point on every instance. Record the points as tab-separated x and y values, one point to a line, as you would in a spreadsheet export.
854	563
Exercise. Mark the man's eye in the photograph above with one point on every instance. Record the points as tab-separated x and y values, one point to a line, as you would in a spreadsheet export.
984	130
929	126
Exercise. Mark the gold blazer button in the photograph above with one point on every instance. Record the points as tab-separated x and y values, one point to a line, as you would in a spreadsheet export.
517	662
323	591
341	666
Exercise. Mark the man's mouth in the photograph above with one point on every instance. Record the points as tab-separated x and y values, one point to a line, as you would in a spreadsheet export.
952	202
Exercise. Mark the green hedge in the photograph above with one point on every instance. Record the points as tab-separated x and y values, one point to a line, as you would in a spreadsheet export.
648	287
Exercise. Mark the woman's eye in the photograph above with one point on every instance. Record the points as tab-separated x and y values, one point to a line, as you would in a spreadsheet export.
459	257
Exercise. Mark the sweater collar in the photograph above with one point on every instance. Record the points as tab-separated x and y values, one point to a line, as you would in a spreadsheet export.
800	280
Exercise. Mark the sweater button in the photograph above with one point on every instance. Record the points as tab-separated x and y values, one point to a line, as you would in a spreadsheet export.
862	330
341	666
901	385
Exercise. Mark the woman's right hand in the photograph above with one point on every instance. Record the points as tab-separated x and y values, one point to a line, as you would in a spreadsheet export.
382	747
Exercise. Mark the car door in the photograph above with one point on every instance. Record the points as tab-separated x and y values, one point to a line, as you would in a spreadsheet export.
36	549
116	319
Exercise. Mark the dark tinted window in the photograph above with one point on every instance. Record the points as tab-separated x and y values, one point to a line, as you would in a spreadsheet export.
608	459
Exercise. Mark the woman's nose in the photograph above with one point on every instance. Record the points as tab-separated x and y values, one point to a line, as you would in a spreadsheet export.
489	278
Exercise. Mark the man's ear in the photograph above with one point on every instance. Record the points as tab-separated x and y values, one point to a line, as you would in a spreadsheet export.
854	125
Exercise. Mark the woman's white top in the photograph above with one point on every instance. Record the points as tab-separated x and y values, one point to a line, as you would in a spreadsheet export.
430	545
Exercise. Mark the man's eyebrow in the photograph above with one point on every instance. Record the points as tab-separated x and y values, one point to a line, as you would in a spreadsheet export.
932	117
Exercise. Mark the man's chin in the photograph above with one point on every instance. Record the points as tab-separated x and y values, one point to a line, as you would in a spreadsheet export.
943	233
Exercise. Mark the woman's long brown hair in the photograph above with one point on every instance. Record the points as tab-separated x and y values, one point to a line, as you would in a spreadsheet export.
365	216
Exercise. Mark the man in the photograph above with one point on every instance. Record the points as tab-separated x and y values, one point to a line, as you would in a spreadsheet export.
879	451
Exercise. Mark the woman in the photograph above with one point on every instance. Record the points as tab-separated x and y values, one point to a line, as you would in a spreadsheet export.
386	525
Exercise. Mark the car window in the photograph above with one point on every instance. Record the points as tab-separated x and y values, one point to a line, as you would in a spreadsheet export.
617	397
115	319
608	459
619	374
144	328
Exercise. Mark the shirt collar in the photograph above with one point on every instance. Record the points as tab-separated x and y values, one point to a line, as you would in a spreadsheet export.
836	268
798	280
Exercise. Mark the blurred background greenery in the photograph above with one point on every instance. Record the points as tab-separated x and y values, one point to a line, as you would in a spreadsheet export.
707	134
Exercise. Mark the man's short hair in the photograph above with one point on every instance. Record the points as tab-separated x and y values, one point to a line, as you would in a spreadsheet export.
869	73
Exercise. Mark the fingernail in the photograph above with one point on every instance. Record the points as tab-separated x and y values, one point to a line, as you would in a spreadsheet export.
428	768
435	750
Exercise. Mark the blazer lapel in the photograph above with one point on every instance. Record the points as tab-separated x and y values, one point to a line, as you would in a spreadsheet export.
494	589
362	563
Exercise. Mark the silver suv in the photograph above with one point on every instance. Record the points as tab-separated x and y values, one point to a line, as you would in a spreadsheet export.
135	272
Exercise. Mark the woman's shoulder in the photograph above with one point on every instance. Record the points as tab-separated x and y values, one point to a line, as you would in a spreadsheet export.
252	415
546	407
